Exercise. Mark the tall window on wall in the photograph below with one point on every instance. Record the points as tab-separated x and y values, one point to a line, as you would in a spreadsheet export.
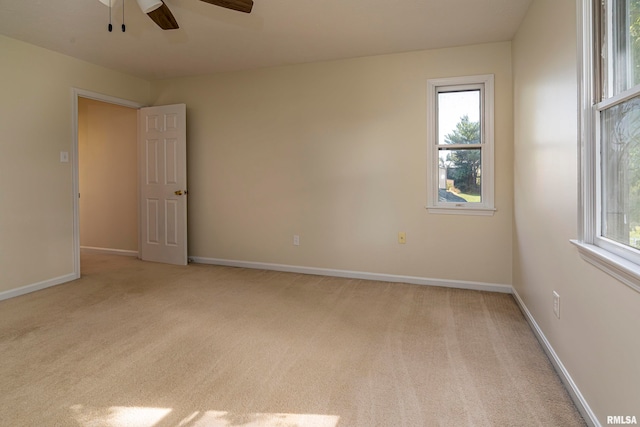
460	142
610	149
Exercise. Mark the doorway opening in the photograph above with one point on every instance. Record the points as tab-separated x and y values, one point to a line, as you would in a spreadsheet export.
105	175
108	177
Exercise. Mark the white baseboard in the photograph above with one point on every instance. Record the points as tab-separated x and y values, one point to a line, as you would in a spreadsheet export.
94	250
577	397
477	286
37	286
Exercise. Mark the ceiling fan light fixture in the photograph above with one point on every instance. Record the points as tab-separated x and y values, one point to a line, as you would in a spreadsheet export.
148	5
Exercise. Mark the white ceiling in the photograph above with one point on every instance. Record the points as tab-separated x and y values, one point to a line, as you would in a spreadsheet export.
277	32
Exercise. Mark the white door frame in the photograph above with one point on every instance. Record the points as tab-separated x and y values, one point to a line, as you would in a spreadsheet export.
75	94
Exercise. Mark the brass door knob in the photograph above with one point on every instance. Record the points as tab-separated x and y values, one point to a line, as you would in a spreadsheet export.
178	193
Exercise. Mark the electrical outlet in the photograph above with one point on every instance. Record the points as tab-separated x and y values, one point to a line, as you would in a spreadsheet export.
402	237
296	240
556	304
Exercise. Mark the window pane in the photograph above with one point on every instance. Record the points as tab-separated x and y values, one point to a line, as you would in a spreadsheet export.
622	45
620	151
460	176
459	117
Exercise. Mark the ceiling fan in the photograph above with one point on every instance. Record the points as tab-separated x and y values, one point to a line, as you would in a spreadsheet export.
159	12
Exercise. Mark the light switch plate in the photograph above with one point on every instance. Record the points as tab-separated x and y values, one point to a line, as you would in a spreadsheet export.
64	157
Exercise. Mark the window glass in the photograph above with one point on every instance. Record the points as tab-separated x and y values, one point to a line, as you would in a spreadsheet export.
459	122
620	175
452	108
622	45
462	172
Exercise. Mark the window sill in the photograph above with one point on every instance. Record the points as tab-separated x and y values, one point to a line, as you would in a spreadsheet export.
624	270
460	211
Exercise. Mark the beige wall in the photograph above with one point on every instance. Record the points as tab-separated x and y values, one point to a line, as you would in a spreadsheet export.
36	204
597	337
336	152
108	175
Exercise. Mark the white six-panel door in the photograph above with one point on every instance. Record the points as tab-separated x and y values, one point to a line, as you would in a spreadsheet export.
163	184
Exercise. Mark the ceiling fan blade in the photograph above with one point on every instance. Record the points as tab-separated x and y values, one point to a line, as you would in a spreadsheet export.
164	18
239	5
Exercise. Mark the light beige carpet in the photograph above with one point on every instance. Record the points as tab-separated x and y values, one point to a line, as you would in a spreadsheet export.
143	344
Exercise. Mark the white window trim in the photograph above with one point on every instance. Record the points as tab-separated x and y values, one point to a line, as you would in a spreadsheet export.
592	248
486	207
